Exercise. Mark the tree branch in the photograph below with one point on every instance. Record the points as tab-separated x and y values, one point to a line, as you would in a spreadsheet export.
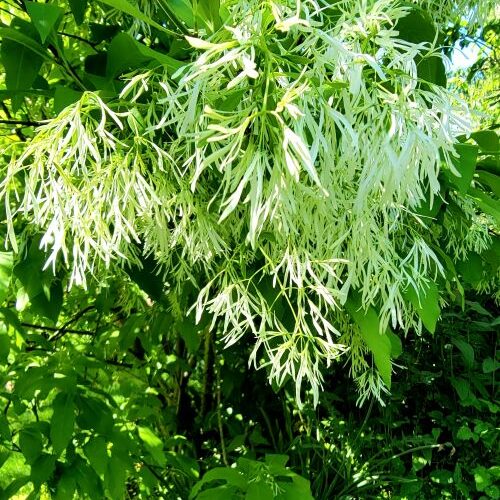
26	123
54	329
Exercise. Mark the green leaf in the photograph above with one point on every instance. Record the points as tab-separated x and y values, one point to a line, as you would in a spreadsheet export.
62	422
78	8
6	264
232	477
426	303
182	10
4	428
208	12
64	97
115	478
132	10
125	53
153	444
10	491
190	334
31	444
298	489
482	477
491	180
463	389
465	164
21	68
471	269
66	486
396	345
442	476
490	365
487	141
464	433
431	69
88	481
486	203
378	343
97	454
94	414
20	38
42	469
4	347
45	17
259	491
467	351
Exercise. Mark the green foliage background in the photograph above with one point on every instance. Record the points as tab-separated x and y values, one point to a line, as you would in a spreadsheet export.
140	276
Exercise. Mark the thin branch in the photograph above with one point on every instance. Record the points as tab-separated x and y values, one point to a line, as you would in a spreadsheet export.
26	123
60	332
53	329
79	38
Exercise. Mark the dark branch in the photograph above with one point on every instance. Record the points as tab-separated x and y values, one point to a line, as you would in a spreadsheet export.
53	329
26	123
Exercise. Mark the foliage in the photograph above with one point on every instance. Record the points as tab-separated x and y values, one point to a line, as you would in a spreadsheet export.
192	185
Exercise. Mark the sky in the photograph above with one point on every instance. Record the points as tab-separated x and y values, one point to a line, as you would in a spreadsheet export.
464	58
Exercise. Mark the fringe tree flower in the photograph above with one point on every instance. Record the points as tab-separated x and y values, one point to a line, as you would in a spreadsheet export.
285	166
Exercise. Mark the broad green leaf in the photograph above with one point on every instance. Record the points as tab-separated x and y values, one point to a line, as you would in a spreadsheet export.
471	269
125	53
467	351
88	481
396	344
378	343
224	492
482	477
464	433
115	478
259	490
153	444
231	476
416	27
63	422
6	263
491	180
4	347
441	476
20	38
31	444
426	303
208	12
10	491
298	489
97	454
463	389
486	203
78	8
425	209
94	414
465	164
490	365
182	10
130	9
42	469
21	68
64	97
190	334
45	17
431	69
487	141
66	485
4	428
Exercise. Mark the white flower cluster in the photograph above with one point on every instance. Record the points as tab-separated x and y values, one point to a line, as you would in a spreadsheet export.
284	165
